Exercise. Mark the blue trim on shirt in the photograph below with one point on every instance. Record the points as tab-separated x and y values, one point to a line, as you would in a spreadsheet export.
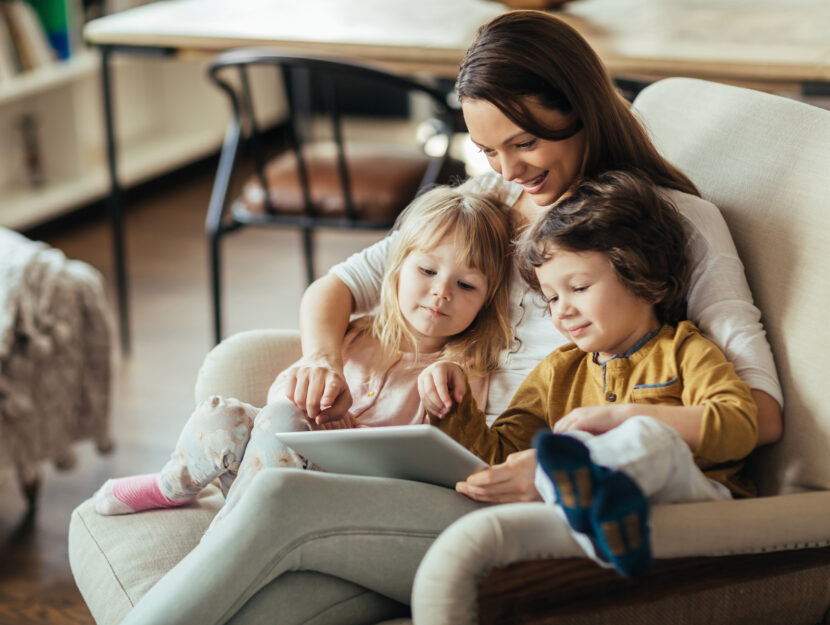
657	384
634	348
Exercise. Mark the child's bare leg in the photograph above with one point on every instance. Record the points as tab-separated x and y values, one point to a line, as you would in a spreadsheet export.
264	450
212	444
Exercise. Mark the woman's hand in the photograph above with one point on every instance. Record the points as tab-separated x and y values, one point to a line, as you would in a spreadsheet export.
317	386
439	385
508	482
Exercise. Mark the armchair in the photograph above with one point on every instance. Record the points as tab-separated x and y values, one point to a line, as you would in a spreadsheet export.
765	161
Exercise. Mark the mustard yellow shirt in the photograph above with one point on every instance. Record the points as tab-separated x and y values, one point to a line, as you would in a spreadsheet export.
676	367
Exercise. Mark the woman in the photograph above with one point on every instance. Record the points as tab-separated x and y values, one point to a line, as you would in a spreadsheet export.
539	104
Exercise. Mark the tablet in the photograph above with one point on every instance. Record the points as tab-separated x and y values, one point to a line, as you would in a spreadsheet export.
421	453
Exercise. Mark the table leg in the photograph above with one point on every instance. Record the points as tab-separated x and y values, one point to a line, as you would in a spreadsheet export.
114	204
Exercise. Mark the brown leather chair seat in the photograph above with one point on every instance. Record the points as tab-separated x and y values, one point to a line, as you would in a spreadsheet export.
382	179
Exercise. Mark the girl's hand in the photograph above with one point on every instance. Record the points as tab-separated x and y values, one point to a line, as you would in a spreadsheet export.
508	482
439	385
318	387
347	422
595	419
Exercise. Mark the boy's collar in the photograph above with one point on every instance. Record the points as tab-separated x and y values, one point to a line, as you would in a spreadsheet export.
631	351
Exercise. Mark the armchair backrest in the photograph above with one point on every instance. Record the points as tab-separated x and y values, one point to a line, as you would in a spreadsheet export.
764	160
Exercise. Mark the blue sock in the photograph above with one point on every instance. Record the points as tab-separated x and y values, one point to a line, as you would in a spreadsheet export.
567	462
619	522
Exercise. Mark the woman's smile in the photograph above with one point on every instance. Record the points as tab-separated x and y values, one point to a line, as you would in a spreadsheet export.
536	184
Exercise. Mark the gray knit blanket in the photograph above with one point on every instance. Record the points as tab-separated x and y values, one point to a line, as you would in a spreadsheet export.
56	357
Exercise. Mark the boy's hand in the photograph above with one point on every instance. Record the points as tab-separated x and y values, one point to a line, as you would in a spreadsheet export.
439	385
319	388
594	419
508	482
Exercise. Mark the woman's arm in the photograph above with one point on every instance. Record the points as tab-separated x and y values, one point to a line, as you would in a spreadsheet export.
316	382
721	304
770	423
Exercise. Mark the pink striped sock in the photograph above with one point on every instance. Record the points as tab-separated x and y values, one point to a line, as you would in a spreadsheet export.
133	494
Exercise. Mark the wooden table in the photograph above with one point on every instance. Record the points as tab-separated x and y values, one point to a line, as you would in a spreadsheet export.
774	45
771	45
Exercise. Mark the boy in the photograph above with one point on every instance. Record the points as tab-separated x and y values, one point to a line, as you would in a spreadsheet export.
640	406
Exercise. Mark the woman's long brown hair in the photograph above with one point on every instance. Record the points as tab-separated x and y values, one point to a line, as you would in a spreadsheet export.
531	53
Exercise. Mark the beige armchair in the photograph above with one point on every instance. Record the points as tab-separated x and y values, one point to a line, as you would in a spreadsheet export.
765	161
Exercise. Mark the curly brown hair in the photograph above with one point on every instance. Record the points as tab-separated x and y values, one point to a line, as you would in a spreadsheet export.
626	218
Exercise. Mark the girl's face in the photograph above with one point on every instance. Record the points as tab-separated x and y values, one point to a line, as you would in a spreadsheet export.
545	169
590	305
439	296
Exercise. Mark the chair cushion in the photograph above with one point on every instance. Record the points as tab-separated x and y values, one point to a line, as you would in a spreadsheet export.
383	180
116	559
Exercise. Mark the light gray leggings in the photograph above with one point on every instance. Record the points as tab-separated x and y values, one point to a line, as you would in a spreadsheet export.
361	540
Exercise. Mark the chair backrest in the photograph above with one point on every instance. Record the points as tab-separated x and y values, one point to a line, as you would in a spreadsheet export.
764	160
318	89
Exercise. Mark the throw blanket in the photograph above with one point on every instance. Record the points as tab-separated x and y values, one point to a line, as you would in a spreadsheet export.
55	356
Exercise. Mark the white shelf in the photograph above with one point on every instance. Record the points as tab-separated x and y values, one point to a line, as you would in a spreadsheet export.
49	77
23	208
26	207
167	115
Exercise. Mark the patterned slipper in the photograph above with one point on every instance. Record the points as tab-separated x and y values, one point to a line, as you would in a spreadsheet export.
619	521
567	462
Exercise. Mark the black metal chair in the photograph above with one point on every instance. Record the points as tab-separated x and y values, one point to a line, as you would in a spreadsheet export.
307	183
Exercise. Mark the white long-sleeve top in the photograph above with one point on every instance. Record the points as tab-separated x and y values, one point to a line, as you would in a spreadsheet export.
719	299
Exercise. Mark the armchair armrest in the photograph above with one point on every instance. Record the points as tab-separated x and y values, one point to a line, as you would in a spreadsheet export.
518	564
244	365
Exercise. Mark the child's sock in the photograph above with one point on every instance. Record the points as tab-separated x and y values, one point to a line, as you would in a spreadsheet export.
567	462
133	494
619	521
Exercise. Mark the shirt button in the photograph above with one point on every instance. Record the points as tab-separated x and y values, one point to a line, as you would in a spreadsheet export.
611	397
370	394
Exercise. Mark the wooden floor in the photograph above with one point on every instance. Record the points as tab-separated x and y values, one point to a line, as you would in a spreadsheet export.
170	307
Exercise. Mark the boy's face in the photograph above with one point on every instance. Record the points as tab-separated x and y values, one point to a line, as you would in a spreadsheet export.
589	304
439	296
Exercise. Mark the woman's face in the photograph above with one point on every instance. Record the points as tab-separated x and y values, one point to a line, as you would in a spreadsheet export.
545	169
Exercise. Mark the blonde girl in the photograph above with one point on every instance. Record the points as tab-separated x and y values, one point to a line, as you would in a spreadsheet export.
443	298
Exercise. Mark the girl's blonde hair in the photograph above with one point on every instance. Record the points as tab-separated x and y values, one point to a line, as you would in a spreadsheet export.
481	224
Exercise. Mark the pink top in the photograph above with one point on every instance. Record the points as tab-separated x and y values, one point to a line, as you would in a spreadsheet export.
387	396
